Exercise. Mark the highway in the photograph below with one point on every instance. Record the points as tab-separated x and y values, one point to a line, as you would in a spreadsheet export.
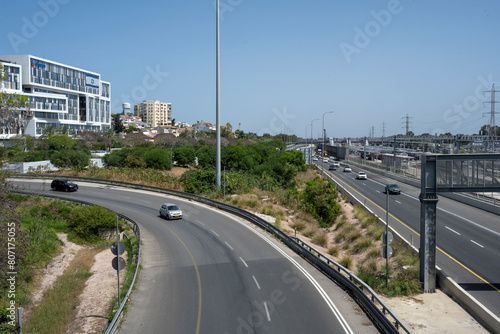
468	238
214	273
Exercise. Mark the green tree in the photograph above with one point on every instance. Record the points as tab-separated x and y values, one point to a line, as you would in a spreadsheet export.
60	142
117	123
14	110
319	198
206	156
158	158
184	155
73	159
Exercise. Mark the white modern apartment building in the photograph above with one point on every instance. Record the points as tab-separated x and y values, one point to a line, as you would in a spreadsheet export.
59	95
154	112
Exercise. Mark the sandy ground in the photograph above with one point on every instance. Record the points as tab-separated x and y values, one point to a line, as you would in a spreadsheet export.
92	311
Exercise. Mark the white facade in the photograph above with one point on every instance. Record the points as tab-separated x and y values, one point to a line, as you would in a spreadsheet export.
59	95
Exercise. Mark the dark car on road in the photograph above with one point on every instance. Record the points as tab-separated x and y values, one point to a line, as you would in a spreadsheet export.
332	167
392	188
63	185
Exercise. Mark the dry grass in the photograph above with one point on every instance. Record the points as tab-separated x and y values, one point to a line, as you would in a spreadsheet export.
56	311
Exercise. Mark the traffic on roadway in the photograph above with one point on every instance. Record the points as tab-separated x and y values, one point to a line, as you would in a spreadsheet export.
468	246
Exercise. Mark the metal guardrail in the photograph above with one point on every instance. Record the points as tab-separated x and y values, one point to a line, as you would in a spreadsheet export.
113	325
364	295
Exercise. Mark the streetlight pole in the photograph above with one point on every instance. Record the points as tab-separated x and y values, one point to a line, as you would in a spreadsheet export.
217	103
312	138
323	148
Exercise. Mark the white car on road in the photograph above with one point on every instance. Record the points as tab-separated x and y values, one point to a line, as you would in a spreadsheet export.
361	176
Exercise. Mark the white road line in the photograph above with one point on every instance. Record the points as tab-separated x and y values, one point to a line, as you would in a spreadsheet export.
246	265
452	230
143	201
345	325
228	245
256	283
477	243
319	288
267	312
214	233
200	222
398	202
470	221
458	216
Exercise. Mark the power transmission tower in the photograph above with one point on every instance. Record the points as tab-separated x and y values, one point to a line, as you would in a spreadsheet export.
383	129
406	122
492	114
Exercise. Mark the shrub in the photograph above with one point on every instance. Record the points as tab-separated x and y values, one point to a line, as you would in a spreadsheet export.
320	200
362	244
309	232
346	262
354	235
333	250
320	238
298	225
85	222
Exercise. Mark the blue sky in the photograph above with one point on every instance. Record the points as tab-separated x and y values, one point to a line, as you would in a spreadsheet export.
283	63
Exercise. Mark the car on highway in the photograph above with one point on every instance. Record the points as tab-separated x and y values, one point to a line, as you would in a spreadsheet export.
315	159
332	167
325	160
347	169
336	164
63	185
170	211
392	188
361	176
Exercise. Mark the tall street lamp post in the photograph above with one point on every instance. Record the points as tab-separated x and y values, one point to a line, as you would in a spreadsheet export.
323	148
312	138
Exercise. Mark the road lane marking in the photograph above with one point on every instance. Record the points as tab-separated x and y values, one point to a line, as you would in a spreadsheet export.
397	201
200	222
228	245
477	244
418	234
267	312
214	232
452	230
246	265
197	276
471	222
256	283
319	288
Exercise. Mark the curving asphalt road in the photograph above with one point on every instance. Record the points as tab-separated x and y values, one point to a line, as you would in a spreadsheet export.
214	273
468	238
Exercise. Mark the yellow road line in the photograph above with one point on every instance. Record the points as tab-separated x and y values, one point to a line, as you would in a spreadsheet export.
448	255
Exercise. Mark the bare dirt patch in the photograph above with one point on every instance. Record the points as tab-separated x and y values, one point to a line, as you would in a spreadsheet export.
91	314
92	311
48	275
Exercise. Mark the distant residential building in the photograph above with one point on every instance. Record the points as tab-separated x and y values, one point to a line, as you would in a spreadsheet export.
203	127
133	120
59	95
154	112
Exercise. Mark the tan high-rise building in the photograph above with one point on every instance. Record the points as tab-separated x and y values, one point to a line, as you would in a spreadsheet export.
154	112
